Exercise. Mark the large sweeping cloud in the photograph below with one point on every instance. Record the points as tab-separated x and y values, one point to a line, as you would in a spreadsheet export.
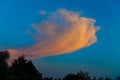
62	32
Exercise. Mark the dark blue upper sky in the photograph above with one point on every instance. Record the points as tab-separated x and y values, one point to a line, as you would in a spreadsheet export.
16	16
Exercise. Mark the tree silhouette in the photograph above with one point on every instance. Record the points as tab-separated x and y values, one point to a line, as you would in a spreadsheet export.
101	78
4	71
107	78
118	78
79	76
24	69
18	67
94	78
71	77
4	55
83	75
46	78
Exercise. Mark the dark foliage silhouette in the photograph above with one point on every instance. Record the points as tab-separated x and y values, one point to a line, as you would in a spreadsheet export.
4	72
83	75
118	78
23	69
71	77
79	76
107	78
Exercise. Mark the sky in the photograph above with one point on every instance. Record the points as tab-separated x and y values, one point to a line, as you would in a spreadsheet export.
18	19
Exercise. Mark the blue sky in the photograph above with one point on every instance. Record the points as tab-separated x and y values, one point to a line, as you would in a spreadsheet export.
101	58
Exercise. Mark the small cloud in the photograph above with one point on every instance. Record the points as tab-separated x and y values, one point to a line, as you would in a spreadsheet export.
42	12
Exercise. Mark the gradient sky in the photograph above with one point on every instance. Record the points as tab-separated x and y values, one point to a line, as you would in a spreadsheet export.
101	58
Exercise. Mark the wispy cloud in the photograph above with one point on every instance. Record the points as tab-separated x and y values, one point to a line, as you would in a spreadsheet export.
42	12
63	32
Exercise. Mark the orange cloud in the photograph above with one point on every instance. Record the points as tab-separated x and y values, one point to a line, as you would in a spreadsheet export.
63	32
